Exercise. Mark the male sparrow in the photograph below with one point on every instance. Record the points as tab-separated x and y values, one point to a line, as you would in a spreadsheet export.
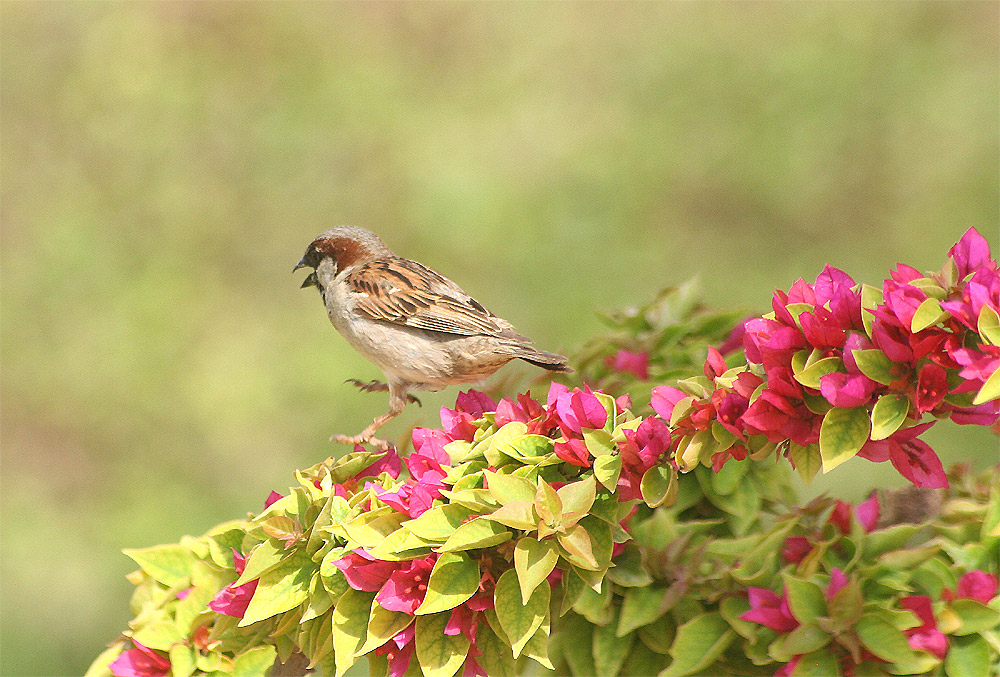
417	326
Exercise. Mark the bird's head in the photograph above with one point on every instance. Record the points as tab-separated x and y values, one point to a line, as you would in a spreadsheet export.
337	249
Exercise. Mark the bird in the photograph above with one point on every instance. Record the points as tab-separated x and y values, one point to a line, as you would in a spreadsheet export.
420	328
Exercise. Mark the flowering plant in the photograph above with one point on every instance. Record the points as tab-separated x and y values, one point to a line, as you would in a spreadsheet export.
557	532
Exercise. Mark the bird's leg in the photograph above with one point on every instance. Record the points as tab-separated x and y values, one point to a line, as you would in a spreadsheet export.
397	401
378	386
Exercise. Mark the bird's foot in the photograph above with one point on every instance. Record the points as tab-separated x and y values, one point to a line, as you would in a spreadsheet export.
378	386
381	445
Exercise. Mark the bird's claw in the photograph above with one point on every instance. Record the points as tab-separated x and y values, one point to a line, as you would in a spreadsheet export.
378	386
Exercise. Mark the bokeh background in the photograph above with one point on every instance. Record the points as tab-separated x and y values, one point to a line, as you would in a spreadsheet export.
164	165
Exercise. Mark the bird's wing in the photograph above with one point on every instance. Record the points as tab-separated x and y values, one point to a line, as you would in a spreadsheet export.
405	292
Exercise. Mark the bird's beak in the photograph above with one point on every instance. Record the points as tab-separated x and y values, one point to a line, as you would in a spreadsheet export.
301	264
310	280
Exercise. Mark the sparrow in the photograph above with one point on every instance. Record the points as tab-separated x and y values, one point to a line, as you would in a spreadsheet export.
414	324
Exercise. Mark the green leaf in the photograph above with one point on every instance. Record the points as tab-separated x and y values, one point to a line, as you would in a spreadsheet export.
167	564
578	497
607	470
888	414
659	486
608	402
871	297
548	505
628	570
874	364
810	376
609	650
698	643
159	635
533	562
975	617
928	314
577	656
990	390
598	441
577	543
968	655
989	325
807	460
281	588
478	533
254	662
842	434
454	579
729	477
805	599
401	545
263	556
495	658
816	664
517	515
383	625
439	655
803	639
519	621
437	524
509	488
640	607
883	639
350	627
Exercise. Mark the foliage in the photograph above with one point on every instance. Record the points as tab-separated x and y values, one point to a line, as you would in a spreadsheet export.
558	532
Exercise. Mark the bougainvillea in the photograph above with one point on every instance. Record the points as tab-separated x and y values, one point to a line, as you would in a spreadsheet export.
556	531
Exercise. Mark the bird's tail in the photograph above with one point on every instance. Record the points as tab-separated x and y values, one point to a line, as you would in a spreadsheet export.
543	359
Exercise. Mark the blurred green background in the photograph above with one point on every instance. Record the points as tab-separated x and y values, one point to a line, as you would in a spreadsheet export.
164	165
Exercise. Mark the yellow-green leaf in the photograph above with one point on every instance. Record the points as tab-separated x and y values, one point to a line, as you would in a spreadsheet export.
383	625
888	414
350	627
478	533
989	325
509	488
842	434
874	364
533	562
928	314
990	390
167	564
519	621
281	588
439	655
454	579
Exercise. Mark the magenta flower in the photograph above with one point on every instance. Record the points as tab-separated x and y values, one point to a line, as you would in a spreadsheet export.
628	362
578	409
399	650
475	403
837	582
388	463
573	451
272	498
971	254
770	610
664	399
140	661
364	572
978	585
913	458
795	549
233	600
846	390
841	517
407	585
788	668
926	636
463	620
932	386
868	512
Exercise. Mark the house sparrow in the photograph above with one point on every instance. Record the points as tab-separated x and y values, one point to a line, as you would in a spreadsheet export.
417	326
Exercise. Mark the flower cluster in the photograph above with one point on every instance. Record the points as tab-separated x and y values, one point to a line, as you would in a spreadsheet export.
839	369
